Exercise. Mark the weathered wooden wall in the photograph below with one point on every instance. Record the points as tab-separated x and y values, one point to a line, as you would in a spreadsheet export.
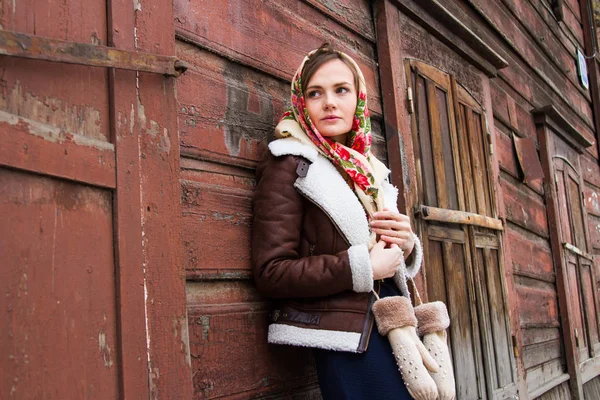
242	55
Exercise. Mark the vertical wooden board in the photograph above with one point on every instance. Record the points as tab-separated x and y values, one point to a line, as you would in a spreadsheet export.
498	314
575	298
448	149
436	145
424	135
477	161
467	171
168	353
590	301
228	344
574	197
59	336
434	270
531	255
563	209
461	335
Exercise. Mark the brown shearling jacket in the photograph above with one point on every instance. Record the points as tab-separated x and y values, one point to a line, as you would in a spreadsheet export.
309	250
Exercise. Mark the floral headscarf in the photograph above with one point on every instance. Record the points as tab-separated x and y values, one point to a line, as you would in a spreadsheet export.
355	158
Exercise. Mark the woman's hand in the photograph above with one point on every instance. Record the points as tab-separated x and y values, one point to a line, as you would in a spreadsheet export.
394	228
385	261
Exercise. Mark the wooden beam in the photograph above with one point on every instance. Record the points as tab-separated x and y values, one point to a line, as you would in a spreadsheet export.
459	217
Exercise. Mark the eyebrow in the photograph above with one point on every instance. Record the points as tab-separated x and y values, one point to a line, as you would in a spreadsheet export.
335	85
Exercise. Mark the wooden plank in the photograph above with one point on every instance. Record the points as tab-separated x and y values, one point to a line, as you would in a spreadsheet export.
539	335
499	315
533	257
478	162
450	148
538	306
437	148
590	301
58	287
485	315
354	15
228	338
594	224
463	324
458	217
523	207
590	369
424	135
548	382
463	144
446	234
43	149
290	27
129	272
541	353
436	283
156	106
219	216
234	117
396	118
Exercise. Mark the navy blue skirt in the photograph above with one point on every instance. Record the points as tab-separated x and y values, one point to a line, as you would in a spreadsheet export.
370	375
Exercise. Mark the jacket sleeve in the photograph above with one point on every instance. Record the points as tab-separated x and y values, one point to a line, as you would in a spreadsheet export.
278	269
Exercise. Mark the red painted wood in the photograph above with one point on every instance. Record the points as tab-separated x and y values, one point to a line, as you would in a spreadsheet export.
288	30
533	258
538	306
524	208
57	279
168	354
230	354
41	148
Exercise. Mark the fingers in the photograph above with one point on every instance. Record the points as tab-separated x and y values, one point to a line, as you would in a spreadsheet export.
390	215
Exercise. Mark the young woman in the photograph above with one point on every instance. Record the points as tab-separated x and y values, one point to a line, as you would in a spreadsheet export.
327	232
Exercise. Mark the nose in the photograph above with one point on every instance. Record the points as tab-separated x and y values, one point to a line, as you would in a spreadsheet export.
329	102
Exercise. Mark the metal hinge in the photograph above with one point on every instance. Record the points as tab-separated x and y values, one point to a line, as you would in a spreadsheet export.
411	103
42	48
515	346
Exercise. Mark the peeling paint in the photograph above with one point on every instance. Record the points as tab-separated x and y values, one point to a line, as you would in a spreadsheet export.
78	119
104	349
181	332
243	121
137	6
205	323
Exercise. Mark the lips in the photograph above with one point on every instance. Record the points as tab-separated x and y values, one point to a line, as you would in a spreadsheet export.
331	118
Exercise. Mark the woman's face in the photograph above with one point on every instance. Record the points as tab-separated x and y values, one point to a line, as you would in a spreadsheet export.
331	99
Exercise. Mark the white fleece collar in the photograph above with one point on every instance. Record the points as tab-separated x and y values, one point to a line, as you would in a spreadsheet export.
324	186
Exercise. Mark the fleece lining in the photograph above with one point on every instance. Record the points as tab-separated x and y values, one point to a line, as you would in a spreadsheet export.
320	338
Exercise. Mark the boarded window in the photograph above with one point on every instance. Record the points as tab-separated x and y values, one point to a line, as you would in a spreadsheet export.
461	236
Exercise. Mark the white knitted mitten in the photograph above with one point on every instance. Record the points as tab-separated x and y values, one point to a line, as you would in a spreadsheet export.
433	321
396	319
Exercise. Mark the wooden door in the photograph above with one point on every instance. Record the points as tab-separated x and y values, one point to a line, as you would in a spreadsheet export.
462	237
93	300
581	282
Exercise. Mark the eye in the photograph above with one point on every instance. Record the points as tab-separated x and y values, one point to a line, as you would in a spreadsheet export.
312	94
342	90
